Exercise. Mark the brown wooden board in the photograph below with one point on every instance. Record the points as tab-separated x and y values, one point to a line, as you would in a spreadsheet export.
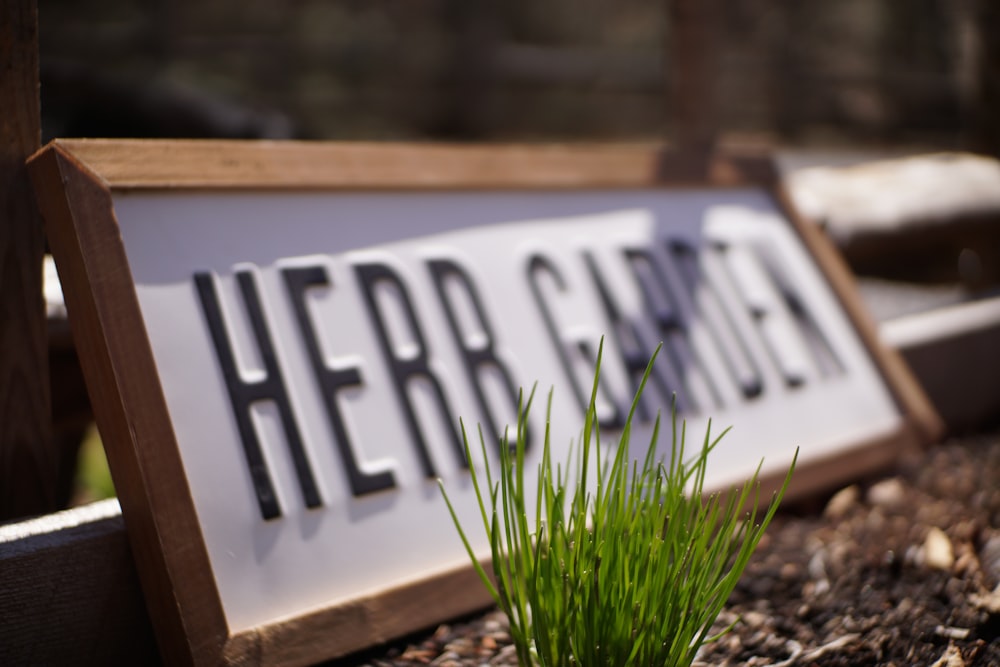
78	183
29	458
69	593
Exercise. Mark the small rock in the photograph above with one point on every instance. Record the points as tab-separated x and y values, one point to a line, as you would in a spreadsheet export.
817	565
887	493
790	571
841	502
459	645
447	659
418	654
937	550
822	587
494	624
989	557
506	656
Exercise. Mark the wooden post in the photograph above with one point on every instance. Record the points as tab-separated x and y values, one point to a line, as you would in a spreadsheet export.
986	105
27	457
693	54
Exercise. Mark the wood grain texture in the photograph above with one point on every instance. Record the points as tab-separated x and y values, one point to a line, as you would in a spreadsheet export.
29	461
373	619
128	404
69	593
287	165
74	571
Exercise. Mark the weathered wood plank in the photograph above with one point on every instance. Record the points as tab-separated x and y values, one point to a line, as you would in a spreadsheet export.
69	592
28	459
946	349
358	166
126	413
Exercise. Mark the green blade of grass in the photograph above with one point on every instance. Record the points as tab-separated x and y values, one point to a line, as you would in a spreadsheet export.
631	571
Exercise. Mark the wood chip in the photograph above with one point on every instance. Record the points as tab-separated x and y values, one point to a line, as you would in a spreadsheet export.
950	632
989	602
952	657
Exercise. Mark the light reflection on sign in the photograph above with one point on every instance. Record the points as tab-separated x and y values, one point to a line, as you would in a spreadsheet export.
317	351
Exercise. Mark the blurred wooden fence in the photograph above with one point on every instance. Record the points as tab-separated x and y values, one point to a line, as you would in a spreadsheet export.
876	71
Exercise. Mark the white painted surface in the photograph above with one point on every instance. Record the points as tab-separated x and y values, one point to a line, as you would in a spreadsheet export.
267	570
889	196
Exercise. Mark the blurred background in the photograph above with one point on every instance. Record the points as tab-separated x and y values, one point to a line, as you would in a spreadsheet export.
821	82
874	73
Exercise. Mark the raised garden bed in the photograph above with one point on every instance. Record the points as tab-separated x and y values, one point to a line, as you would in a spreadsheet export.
902	569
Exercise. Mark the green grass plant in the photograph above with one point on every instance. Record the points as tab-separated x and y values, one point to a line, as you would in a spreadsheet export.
615	563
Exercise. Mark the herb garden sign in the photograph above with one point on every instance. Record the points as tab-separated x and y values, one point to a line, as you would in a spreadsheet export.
280	341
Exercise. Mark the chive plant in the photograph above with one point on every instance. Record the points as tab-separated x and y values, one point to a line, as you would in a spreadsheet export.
616	564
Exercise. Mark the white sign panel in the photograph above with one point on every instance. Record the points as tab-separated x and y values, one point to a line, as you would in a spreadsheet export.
317	351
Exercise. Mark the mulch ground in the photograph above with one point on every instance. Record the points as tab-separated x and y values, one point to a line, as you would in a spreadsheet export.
899	570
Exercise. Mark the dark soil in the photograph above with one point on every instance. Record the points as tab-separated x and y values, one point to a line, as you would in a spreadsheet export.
900	570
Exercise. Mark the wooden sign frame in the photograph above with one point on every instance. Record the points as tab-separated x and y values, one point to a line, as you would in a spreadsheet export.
74	182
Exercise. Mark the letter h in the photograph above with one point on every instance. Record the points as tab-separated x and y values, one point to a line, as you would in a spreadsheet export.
243	394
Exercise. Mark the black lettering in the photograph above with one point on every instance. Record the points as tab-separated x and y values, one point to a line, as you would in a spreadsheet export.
718	321
823	354
538	264
406	369
774	326
661	301
482	356
632	349
243	394
331	381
